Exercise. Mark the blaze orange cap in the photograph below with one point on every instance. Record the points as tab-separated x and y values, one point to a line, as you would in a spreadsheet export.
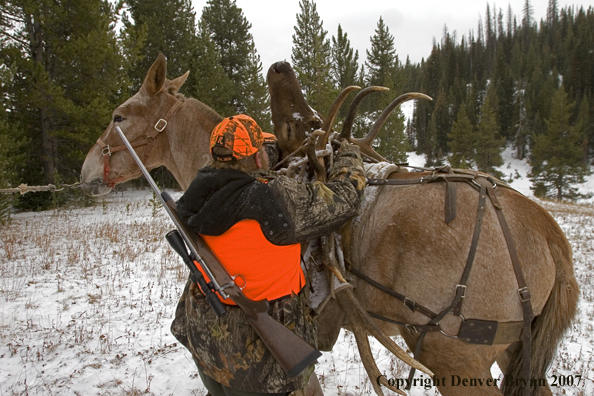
241	135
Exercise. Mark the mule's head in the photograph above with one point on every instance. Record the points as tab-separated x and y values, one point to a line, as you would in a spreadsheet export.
292	116
140	118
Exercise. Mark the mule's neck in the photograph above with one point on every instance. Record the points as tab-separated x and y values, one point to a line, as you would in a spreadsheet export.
188	135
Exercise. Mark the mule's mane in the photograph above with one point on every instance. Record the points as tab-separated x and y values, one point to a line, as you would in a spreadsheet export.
178	95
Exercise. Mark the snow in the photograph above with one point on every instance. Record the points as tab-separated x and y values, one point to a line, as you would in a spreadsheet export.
87	296
516	174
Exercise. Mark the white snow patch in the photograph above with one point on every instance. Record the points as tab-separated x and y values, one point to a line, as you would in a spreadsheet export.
87	297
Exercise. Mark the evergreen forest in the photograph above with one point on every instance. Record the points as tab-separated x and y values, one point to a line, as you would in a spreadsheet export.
516	82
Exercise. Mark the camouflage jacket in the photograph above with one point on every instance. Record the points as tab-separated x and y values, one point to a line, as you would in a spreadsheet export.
227	349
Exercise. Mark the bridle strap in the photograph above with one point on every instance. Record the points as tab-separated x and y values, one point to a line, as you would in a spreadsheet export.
149	140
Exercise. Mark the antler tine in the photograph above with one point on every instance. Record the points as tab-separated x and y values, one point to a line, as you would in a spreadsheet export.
333	113
370	366
318	166
365	143
379	123
360	319
348	122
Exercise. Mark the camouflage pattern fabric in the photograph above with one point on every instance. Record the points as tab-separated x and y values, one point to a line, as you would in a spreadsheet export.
228	349
317	209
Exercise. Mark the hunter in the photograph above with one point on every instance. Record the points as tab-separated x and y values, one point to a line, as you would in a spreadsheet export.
254	221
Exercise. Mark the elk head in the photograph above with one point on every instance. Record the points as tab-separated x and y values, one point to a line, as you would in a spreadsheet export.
292	116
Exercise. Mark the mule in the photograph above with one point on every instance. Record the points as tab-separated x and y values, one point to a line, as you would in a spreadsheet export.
177	141
401	240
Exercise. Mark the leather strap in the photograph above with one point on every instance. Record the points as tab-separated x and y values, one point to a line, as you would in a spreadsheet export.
149	139
410	304
411	327
461	287
523	292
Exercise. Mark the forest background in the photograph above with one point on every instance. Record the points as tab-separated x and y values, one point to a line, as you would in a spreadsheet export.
65	65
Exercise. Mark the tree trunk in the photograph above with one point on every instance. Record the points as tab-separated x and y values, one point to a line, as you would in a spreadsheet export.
37	53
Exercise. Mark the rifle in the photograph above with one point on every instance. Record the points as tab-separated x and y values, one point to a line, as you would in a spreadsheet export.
291	351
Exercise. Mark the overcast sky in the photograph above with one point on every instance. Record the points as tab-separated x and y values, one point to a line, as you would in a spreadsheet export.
414	24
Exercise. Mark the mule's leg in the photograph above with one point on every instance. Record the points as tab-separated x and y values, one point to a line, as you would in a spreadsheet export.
460	369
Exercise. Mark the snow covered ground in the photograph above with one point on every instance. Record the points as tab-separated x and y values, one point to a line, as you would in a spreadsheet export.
87	297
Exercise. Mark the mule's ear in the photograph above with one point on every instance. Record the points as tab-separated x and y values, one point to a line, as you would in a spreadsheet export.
155	78
178	82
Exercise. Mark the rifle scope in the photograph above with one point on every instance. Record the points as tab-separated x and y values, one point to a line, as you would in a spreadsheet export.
177	243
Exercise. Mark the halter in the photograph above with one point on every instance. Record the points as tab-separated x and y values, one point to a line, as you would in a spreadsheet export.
149	140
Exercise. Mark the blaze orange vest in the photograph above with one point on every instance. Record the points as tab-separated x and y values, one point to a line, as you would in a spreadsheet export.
270	271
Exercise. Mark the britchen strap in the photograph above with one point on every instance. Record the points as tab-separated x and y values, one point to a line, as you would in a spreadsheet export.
523	292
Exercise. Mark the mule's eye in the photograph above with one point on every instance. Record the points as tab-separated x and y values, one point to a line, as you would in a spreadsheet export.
118	118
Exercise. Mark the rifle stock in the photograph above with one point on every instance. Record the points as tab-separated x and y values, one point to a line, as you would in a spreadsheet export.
291	351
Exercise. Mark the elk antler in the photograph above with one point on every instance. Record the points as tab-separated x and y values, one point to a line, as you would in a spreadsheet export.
365	143
333	113
362	325
348	121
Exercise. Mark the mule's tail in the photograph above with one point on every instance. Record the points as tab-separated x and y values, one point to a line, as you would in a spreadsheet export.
550	326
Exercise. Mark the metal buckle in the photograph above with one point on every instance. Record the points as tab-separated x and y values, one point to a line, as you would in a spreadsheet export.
150	140
524	294
410	304
157	125
411	328
463	287
106	151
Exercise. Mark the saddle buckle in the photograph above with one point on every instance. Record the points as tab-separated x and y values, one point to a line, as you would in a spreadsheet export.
524	294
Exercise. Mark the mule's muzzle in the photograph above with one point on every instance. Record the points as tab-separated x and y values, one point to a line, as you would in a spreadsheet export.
95	188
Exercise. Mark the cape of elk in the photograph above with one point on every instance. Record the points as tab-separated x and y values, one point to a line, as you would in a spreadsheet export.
401	240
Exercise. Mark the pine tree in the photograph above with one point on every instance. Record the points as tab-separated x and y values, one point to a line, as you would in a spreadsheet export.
230	32
382	61
312	58
208	81
587	126
489	143
557	156
463	140
255	93
9	162
67	77
344	60
382	68
345	66
161	27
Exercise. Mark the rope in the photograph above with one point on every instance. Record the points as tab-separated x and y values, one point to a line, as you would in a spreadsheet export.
23	188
